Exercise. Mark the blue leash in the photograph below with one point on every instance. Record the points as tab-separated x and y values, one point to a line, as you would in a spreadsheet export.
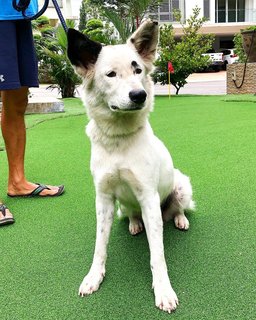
60	15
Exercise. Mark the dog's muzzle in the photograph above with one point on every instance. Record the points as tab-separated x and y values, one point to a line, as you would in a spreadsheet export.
137	98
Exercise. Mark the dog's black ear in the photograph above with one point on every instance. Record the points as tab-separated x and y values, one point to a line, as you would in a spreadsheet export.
82	52
145	40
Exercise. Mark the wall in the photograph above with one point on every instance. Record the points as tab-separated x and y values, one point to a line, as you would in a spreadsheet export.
70	9
250	13
237	69
190	5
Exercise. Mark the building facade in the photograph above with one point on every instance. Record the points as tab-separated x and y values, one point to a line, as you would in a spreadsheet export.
225	17
69	8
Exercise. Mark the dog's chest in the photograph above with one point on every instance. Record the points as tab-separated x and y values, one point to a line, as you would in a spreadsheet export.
122	183
131	172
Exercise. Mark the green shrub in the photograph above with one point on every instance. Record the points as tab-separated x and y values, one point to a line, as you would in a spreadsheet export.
185	55
51	47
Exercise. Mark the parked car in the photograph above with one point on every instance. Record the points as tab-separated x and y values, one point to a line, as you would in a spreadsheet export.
229	57
216	60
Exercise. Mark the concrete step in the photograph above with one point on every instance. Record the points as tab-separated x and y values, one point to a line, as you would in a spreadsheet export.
43	105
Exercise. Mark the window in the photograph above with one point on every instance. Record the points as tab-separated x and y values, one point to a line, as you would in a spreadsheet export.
221	10
176	4
241	10
230	10
165	9
207	9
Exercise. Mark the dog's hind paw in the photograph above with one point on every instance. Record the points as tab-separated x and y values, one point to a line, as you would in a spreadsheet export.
181	222
135	226
166	300
91	283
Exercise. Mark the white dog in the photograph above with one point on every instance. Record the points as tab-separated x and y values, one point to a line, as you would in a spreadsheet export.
128	162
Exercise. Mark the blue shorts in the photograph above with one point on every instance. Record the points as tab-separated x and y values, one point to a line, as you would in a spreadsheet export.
18	62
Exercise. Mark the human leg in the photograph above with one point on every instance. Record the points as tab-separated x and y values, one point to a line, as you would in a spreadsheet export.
14	134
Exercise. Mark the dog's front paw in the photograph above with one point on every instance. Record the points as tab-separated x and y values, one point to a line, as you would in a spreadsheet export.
91	283
166	299
181	222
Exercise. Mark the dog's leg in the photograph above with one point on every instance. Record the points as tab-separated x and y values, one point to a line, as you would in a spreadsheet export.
105	213
135	225
176	213
165	297
180	220
181	200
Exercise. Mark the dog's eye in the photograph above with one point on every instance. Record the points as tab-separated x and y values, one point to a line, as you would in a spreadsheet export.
138	71
111	74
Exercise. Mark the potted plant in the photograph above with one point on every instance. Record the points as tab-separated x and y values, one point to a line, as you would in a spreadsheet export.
249	43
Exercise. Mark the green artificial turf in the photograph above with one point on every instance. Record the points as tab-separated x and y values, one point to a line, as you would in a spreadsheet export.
47	252
73	108
240	98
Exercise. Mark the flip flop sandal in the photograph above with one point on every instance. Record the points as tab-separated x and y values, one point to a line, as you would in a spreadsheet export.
5	220
36	192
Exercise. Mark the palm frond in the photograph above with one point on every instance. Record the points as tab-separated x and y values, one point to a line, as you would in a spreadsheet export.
124	27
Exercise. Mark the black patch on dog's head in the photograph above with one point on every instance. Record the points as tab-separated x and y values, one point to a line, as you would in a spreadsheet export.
134	64
136	67
82	52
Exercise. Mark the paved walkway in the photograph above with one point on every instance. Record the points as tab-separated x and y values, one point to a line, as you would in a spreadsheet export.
212	83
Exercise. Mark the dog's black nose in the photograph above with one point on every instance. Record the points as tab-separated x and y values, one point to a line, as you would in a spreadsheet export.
138	96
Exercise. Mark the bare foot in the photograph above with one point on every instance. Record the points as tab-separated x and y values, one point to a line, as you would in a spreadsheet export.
27	188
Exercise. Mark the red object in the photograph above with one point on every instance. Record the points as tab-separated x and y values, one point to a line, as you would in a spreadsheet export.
170	67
